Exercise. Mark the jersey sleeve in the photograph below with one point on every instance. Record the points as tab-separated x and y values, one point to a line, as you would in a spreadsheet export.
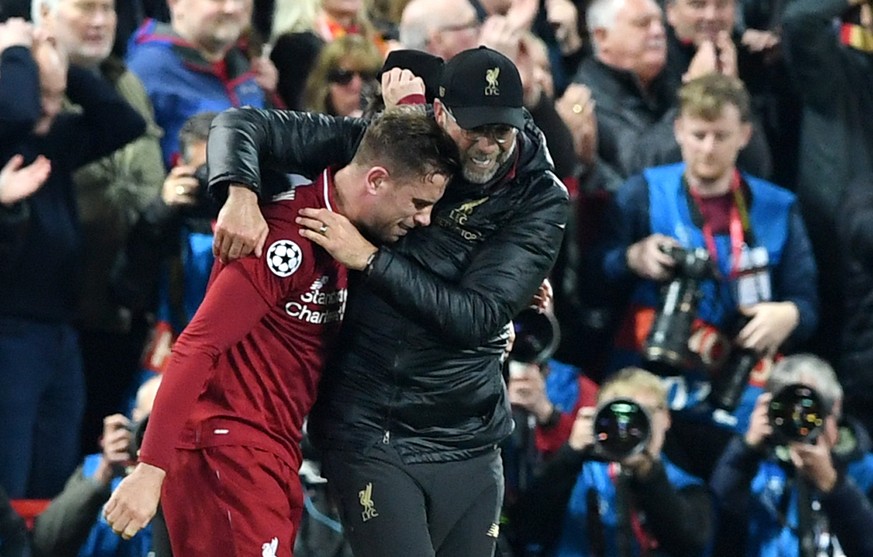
239	296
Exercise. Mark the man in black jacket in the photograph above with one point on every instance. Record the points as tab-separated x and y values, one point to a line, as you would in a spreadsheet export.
410	413
41	381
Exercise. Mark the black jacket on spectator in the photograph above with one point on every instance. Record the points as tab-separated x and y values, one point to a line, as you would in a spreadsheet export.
39	237
855	364
635	128
836	144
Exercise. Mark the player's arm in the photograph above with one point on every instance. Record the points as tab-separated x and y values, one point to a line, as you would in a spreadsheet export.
233	305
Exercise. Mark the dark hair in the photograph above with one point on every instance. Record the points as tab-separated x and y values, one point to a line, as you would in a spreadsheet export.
408	142
195	128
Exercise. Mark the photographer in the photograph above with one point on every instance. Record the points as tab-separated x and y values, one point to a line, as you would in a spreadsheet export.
762	279
642	503
761	477
181	209
545	390
71	526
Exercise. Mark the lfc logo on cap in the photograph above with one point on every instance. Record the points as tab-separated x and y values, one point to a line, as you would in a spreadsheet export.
493	88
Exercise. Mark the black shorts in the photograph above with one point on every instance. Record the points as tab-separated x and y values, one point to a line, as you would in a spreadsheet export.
392	509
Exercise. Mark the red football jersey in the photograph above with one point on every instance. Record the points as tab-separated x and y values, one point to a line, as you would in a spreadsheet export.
245	371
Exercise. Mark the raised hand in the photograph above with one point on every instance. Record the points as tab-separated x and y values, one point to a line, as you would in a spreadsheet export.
17	182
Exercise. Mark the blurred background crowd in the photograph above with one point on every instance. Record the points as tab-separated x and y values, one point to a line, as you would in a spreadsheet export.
106	246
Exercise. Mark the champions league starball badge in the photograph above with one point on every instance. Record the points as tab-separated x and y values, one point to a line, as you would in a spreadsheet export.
284	258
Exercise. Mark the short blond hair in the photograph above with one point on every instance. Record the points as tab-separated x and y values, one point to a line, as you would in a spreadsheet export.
630	382
706	96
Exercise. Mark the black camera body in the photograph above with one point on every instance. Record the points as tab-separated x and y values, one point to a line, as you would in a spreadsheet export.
796	413
622	428
204	206
137	429
667	341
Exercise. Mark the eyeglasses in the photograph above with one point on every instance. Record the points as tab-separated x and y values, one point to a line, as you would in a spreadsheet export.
499	133
344	77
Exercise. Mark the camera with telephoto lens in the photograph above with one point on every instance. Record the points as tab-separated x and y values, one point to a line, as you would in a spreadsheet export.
204	206
733	375
622	428
537	336
667	341
796	413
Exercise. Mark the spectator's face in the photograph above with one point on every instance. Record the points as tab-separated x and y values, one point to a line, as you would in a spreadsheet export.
636	42
700	20
342	8
346	84
402	204
213	25
710	147
85	29
481	153
455	29
52	84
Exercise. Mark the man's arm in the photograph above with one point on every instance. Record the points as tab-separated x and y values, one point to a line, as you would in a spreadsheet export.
681	519
64	526
19	93
500	280
195	353
106	124
209	335
812	49
795	278
850	514
242	139
730	484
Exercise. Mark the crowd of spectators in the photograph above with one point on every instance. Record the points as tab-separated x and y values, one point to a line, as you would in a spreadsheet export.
736	127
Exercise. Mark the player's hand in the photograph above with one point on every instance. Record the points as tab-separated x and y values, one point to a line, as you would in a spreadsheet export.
397	84
336	234
135	501
240	228
17	182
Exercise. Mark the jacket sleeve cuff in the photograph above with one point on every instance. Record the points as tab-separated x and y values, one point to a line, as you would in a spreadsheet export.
414	98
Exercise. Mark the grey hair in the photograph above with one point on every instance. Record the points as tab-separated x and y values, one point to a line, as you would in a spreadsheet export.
811	371
414	28
601	14
36	9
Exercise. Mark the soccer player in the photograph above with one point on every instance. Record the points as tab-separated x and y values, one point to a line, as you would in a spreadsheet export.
222	447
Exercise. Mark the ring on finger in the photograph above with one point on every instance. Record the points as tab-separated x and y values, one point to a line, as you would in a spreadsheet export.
323	229
180	190
577	108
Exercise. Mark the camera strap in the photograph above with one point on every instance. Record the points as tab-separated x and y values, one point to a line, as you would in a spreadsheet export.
739	226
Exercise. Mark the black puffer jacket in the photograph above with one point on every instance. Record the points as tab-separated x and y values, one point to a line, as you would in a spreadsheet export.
419	366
